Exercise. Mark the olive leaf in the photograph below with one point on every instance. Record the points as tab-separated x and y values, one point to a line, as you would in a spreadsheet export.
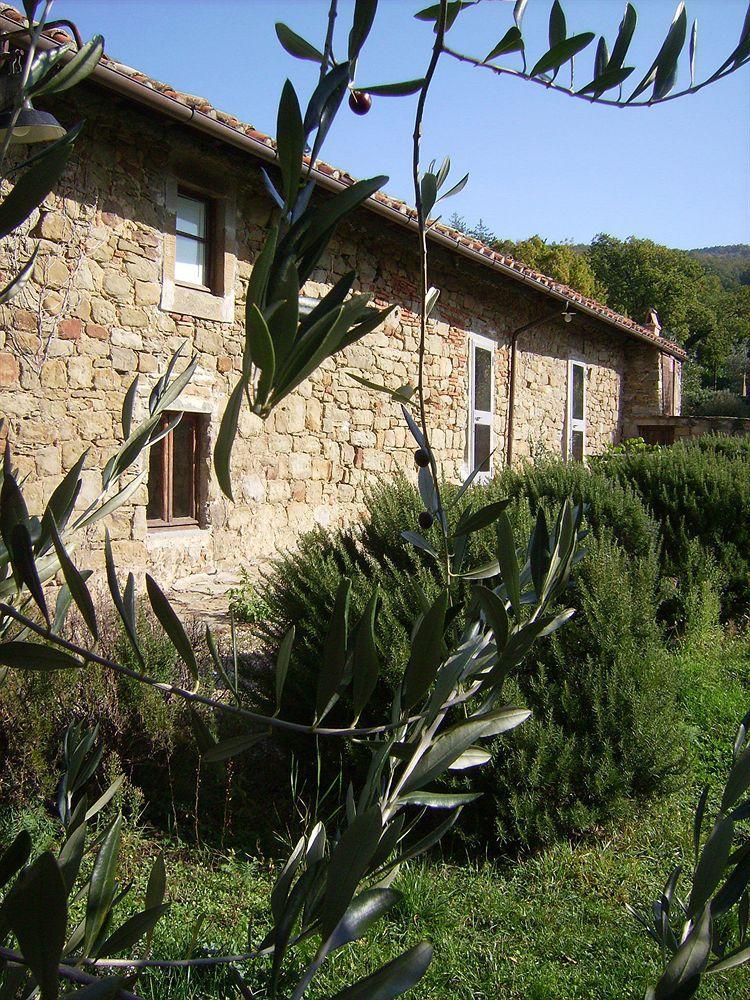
561	53
35	184
36	910
76	70
171	625
297	46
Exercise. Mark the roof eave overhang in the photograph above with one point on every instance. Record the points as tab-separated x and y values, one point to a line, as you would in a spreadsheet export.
126	86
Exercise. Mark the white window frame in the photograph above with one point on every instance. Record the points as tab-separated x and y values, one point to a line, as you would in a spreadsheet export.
485	417
577	424
205	242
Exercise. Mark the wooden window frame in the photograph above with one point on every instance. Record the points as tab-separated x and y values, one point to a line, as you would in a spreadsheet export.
208	241
576	424
166	445
485	417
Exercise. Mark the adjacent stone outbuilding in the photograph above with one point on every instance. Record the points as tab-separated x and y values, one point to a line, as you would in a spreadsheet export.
148	243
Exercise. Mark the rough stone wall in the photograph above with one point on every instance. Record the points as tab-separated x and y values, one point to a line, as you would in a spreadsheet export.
643	385
542	387
641	389
91	319
678	428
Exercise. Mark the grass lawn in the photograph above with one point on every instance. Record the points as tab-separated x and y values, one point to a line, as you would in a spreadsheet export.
550	927
553	926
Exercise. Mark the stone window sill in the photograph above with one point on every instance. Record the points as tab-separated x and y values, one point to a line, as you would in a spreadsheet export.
197	302
161	536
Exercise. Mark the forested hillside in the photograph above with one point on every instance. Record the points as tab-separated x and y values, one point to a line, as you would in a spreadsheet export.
731	263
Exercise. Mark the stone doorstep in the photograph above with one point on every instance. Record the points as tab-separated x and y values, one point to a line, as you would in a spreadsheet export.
204	596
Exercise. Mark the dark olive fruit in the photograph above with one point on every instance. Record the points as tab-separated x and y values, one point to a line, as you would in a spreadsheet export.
422	457
425	520
360	102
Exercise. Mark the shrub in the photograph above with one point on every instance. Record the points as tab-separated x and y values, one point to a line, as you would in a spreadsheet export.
147	738
728	446
135	722
604	698
300	589
698	490
615	508
691	609
718	403
301	585
245	603
595	696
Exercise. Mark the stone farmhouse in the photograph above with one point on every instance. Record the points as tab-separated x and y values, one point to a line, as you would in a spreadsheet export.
148	242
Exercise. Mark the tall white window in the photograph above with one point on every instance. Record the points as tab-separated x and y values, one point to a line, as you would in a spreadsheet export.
192	231
481	404
576	450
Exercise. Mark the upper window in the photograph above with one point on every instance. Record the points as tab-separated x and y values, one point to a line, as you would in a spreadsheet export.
481	405
193	252
576	411
176	471
199	260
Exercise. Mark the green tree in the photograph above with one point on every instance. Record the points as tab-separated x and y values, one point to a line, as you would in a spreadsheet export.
560	261
641	274
482	232
694	307
731	263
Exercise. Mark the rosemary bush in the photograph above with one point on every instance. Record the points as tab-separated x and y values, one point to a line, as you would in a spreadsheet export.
698	491
603	691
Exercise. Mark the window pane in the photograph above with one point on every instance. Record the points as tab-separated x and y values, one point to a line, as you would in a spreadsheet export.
577	401
155	507
183	468
482	379
191	216
482	446
190	261
576	446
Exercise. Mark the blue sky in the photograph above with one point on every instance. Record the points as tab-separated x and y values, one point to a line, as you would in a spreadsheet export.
539	162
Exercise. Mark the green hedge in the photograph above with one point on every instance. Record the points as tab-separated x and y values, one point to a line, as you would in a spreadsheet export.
300	585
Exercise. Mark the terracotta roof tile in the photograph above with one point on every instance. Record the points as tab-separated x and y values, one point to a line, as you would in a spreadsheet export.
203	106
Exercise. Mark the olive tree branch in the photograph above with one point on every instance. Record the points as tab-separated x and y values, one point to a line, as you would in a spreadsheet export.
175	963
589	98
437	49
191	696
328	46
65	971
